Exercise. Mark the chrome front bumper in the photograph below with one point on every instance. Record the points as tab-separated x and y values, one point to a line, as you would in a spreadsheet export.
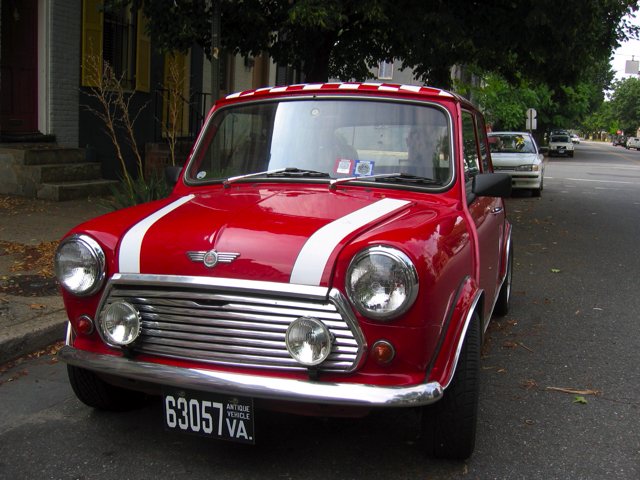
282	389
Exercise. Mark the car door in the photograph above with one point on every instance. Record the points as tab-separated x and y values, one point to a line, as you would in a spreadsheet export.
488	213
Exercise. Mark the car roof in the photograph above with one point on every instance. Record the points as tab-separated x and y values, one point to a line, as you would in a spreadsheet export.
393	90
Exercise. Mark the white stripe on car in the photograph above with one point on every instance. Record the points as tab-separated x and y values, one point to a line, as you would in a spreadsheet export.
131	246
315	253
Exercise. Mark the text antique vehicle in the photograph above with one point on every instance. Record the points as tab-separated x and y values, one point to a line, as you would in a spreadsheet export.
330	248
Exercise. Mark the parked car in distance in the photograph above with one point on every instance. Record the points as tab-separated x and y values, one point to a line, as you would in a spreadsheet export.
517	154
326	250
561	144
619	140
575	138
633	142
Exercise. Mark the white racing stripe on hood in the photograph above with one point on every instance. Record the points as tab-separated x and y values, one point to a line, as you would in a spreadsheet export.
315	253
129	258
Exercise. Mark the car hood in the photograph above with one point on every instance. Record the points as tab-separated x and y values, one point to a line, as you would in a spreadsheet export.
254	233
514	159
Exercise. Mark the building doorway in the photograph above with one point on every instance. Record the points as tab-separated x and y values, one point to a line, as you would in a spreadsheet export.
19	68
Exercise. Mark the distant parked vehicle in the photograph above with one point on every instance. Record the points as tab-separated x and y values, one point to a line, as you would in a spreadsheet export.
575	138
517	154
561	145
633	142
620	140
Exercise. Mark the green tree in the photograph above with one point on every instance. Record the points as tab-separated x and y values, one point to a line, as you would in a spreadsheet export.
546	41
625	104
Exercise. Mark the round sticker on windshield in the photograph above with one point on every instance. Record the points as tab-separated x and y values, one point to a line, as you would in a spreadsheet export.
201	174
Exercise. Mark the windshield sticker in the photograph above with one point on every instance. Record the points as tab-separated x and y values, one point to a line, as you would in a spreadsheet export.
363	168
344	166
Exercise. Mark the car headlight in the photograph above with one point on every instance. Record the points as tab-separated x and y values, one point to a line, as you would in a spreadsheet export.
382	282
120	323
308	341
527	168
79	265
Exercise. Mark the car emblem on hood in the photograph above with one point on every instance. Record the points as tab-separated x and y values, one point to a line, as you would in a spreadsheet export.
212	258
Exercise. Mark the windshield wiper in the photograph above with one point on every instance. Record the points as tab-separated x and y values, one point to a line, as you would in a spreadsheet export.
398	177
297	172
279	172
231	180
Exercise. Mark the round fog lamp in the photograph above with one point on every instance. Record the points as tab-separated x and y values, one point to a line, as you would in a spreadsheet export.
308	341
120	323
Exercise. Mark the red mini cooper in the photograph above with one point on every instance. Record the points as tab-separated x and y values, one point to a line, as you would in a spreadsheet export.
327	248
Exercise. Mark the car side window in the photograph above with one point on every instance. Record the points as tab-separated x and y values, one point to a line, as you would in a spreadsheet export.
484	147
469	151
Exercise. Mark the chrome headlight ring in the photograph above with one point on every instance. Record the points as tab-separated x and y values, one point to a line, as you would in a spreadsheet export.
80	265
382	282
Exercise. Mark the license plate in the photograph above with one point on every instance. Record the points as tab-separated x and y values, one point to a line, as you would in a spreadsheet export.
210	415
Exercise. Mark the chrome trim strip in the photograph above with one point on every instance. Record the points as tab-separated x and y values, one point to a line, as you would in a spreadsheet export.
467	321
495	300
224	284
281	389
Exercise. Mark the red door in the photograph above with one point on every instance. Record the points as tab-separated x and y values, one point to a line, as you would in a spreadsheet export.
19	67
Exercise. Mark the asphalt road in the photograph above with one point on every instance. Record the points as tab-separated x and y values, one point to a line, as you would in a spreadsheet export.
560	380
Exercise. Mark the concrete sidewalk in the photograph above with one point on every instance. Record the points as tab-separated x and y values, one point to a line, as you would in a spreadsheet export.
32	315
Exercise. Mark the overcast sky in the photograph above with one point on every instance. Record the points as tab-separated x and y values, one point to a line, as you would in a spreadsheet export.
627	51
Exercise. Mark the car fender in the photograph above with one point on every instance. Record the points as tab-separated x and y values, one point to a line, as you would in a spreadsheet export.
459	315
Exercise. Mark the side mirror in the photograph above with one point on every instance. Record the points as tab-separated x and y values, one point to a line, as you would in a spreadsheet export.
172	174
492	185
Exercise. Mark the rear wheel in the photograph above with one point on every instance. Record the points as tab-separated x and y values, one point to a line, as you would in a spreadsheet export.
449	426
95	392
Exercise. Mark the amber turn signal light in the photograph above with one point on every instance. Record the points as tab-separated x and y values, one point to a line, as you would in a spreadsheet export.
383	352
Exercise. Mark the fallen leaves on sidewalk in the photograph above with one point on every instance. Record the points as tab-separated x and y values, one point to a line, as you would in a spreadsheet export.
50	351
31	258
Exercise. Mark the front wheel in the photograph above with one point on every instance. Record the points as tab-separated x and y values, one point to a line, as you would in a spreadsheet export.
448	426
95	392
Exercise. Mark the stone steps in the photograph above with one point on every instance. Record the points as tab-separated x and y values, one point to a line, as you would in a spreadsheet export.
48	171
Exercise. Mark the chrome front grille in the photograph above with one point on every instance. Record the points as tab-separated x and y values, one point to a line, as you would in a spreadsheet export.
243	324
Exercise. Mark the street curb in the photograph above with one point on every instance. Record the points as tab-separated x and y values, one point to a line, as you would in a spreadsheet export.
32	336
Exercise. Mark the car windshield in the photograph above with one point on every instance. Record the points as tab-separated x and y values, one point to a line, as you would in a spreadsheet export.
511	143
324	139
560	139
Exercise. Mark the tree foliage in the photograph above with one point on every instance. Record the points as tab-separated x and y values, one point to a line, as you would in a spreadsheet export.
545	41
625	105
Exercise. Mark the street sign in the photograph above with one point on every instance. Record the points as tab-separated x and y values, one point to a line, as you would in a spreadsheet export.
532	122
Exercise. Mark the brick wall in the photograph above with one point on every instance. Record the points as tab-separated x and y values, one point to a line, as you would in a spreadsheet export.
64	77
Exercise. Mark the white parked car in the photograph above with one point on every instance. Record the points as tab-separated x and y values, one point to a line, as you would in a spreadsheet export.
633	142
561	144
518	154
575	138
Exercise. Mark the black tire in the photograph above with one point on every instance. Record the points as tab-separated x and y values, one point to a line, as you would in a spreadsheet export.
571	154
536	192
448	426
95	392
504	297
